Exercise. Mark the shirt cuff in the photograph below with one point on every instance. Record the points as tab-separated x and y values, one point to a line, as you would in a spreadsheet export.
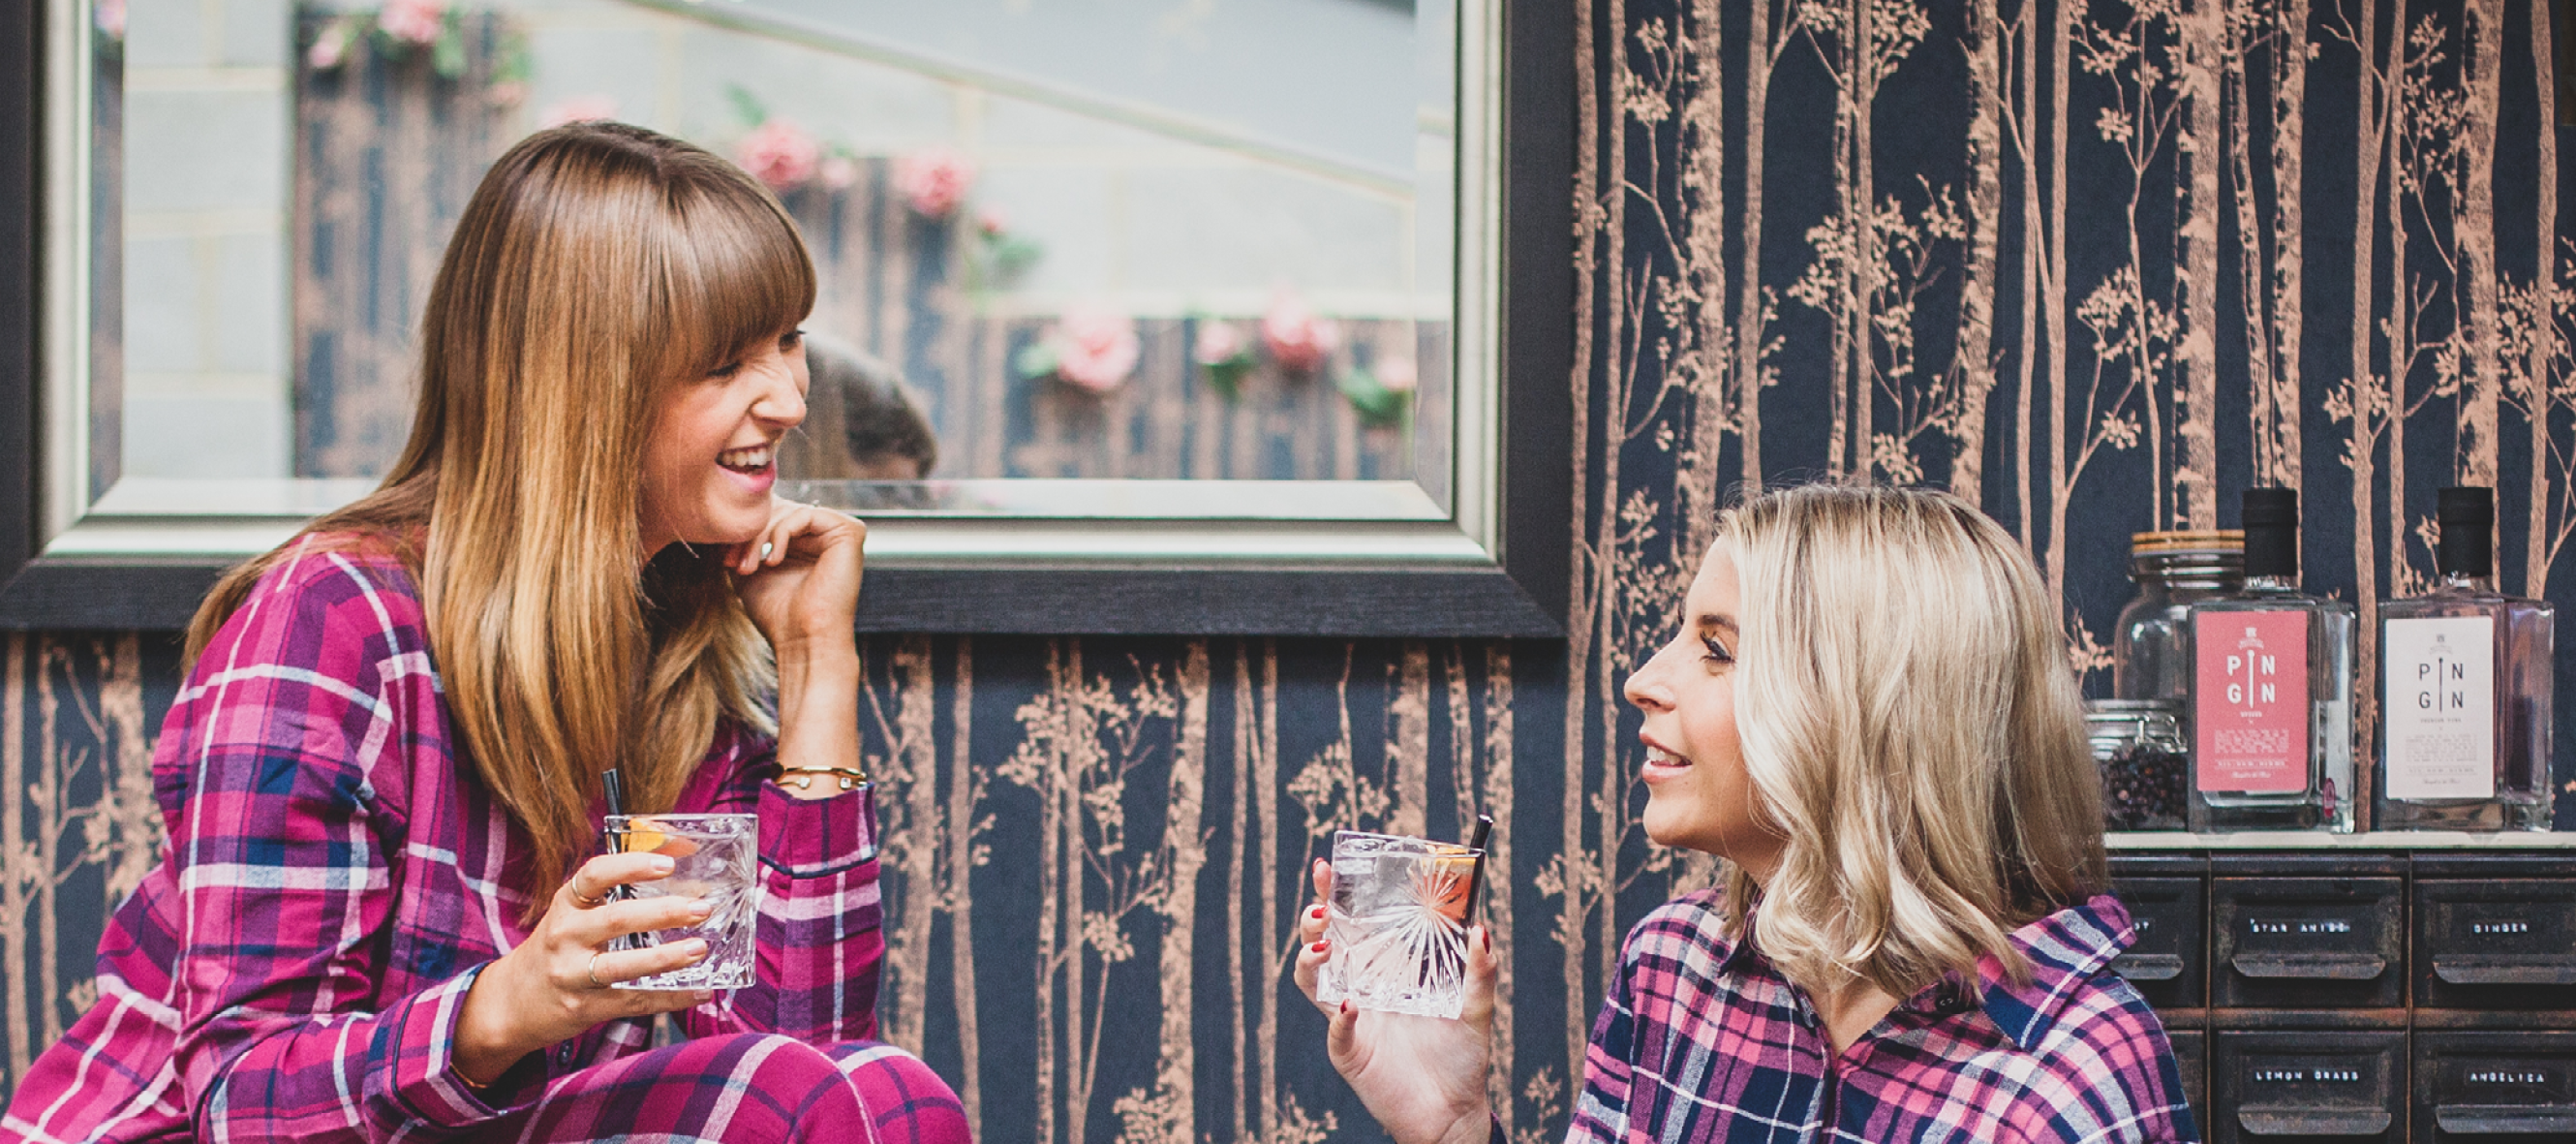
425	1076
817	837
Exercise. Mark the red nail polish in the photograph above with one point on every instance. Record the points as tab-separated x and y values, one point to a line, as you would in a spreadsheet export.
1317	913
1319	946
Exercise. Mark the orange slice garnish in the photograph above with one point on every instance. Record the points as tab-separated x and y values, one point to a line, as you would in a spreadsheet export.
645	836
1455	876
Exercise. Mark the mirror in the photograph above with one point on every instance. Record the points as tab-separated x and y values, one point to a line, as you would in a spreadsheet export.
1124	258
1412	534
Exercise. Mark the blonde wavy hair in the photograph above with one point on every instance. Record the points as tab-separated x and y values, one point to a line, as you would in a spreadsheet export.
1911	724
596	267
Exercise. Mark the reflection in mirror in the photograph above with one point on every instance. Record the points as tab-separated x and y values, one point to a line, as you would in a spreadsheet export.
1127	239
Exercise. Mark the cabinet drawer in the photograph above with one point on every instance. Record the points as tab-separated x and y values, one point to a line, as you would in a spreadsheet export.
2505	943
2495	1086
2166	964
2307	943
2340	1087
2191	1055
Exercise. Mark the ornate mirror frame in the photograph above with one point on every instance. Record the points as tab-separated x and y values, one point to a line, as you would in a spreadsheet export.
1493	564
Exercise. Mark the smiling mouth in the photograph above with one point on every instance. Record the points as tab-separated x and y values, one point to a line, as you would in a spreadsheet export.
753	460
1659	757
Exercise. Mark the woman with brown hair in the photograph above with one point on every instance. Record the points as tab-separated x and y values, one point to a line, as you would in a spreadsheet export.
378	915
1866	710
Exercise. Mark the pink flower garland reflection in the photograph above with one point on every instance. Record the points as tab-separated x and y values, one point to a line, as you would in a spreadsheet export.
330	47
780	154
1397	374
414	21
934	181
1297	339
1218	343
1095	348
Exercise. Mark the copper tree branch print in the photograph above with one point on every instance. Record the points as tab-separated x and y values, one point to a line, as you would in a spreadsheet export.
87	734
1974	363
1166	1113
908	809
1082	739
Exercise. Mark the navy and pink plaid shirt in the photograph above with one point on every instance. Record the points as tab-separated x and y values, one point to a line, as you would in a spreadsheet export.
1702	1040
337	875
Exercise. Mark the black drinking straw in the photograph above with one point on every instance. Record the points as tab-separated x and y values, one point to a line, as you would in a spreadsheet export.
612	784
1476	878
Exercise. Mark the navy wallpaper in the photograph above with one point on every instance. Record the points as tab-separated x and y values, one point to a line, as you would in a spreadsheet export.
2098	265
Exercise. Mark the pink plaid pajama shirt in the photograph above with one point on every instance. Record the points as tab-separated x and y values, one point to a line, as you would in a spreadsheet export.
336	876
1702	1041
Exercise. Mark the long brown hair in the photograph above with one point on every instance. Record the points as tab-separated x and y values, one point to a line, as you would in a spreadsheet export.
596	266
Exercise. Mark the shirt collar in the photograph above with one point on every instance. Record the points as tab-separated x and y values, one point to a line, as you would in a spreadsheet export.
2064	950
1740	956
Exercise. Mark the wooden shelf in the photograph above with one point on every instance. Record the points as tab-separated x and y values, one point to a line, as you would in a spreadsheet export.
2385	840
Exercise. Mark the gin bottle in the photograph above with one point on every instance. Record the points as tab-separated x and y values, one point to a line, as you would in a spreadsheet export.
2271	690
2464	690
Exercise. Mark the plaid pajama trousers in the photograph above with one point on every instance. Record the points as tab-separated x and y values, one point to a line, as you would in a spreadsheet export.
746	1087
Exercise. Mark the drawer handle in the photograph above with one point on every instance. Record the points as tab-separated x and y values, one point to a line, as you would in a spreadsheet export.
2312	1122
2311	966
2505	1119
2506	969
2147	966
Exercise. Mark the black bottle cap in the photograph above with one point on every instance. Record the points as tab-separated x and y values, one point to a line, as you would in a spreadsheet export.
2467	513
2272	533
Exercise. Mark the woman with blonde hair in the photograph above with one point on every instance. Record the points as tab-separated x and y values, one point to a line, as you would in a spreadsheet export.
379	914
1867	712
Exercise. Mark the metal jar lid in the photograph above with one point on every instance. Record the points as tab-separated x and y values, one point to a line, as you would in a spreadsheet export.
2113	716
2131	708
2230	540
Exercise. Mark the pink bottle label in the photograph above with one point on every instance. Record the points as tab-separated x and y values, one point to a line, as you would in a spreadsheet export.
2251	702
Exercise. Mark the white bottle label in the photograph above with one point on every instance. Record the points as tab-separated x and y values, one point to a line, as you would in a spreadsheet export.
2441	697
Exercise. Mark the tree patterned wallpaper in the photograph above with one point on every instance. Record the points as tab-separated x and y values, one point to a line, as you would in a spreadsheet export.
2055	256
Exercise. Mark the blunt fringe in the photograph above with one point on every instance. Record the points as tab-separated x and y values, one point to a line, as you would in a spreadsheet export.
596	266
1911	723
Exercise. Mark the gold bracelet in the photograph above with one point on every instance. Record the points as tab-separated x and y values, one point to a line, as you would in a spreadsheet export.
852	778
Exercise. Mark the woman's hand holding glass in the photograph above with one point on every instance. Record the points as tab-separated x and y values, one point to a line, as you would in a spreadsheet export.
555	985
1423	1078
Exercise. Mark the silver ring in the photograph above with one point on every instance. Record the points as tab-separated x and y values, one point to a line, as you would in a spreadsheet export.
593	972
587	903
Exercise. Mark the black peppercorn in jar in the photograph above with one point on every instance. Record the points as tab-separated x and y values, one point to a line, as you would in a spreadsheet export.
2145	761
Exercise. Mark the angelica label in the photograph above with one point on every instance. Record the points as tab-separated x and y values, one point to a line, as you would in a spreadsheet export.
2441	707
2251	702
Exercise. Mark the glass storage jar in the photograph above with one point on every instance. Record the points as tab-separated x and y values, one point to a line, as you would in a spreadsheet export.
2150	647
2145	762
